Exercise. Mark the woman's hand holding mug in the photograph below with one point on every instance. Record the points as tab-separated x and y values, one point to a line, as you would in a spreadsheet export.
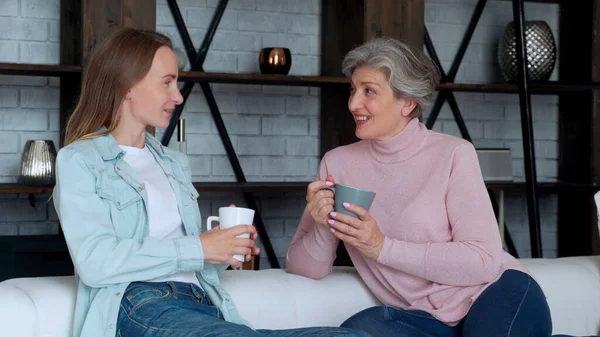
233	241
220	245
319	200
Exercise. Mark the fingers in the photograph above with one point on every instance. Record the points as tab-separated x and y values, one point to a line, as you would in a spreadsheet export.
316	186
325	203
344	237
330	178
242	229
362	213
340	227
233	262
323	194
243	251
347	219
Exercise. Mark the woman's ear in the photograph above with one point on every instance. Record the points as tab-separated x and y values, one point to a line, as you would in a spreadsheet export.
406	106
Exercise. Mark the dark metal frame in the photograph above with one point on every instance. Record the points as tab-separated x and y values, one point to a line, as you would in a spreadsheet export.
525	105
197	60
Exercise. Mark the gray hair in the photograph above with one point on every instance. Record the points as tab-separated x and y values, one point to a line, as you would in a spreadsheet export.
410	72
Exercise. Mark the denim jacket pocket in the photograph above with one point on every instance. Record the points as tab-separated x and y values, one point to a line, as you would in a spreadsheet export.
126	207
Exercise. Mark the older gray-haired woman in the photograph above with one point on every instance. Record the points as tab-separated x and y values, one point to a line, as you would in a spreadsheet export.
429	247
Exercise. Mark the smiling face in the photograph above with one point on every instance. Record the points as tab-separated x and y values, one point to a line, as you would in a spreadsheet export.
378	113
152	100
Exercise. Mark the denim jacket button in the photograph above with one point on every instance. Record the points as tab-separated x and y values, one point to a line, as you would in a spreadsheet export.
118	294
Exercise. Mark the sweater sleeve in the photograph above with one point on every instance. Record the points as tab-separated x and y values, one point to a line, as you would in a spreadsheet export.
312	250
473	256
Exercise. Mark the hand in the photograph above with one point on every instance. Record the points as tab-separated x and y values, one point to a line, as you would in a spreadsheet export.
219	245
362	234
319	200
253	237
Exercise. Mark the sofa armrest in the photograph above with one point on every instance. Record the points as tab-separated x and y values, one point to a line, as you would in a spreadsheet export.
37	306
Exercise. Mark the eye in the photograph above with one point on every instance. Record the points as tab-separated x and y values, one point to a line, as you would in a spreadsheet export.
352	90
369	91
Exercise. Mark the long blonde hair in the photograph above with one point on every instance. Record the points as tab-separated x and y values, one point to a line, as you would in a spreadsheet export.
117	64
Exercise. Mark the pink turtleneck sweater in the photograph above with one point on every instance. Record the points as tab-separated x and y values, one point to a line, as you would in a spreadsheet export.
442	246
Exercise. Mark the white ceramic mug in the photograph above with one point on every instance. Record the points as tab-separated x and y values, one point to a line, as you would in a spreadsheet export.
230	217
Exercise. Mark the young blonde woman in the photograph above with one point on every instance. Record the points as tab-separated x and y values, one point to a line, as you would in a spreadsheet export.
129	212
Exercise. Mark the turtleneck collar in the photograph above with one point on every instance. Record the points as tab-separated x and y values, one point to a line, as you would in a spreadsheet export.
401	146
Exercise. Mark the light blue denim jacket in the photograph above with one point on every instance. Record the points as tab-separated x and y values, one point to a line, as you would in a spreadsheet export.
101	204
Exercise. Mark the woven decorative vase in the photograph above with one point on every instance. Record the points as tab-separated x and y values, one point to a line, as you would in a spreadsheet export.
541	52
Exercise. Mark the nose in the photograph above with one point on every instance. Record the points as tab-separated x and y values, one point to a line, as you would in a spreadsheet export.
176	97
354	102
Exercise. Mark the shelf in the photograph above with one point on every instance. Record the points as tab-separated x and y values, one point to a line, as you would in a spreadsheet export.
8	188
300	186
551	87
543	187
307	81
540	1
254	187
18	188
38	69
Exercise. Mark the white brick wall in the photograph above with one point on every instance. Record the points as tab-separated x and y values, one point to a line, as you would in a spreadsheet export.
29	33
274	129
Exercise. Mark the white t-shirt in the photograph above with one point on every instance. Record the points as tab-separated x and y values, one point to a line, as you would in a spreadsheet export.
163	215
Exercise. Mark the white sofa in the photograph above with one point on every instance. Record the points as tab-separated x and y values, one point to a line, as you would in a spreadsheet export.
273	299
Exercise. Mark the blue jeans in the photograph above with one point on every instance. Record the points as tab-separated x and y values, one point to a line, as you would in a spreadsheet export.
514	306
175	309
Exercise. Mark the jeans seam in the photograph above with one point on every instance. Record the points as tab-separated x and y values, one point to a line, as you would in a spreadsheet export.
138	305
133	320
519	307
153	328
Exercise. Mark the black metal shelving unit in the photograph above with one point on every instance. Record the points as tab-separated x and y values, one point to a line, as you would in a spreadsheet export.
524	88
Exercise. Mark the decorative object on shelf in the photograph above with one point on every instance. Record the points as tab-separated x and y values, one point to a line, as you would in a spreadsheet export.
275	61
181	133
181	58
541	51
38	163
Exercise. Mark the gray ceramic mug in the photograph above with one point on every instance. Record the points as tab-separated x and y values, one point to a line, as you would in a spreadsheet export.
356	196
